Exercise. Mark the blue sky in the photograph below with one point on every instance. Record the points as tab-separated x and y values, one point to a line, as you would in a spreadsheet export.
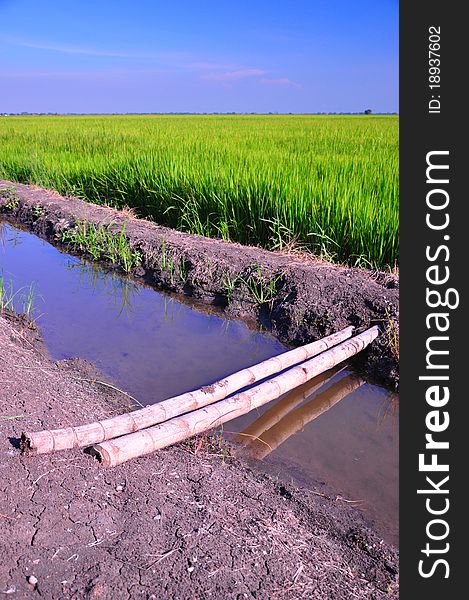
199	56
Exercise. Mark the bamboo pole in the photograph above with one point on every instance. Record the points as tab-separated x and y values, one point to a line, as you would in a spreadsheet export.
297	419
41	442
119	450
281	408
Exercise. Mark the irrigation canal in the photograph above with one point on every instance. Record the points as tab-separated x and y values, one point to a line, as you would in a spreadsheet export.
155	346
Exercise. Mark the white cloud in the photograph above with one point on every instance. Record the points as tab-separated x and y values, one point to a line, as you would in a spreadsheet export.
208	66
88	51
281	82
237	74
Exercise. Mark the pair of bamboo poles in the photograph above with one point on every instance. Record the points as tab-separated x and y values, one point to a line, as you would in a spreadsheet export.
116	440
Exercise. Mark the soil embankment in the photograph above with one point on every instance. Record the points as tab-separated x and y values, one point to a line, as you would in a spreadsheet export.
171	525
299	299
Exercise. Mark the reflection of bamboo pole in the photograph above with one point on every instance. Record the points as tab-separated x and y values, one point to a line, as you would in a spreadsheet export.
297	419
273	415
119	450
84	435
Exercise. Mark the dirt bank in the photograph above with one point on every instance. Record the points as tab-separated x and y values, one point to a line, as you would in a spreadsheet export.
171	525
298	299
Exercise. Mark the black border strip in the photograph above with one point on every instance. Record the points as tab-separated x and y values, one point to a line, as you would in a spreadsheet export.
441	132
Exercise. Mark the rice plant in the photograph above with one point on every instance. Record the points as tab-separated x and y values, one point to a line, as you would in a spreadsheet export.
21	300
329	183
102	242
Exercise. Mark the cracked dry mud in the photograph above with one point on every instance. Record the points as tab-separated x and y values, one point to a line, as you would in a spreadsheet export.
171	525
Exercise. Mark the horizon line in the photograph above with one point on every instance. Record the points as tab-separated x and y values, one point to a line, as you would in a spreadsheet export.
242	113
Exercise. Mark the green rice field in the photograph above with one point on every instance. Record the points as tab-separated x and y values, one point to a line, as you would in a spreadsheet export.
328	184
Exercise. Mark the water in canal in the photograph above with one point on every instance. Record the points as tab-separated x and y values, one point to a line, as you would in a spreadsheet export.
154	346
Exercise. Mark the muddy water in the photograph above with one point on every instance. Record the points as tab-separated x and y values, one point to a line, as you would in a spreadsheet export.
335	430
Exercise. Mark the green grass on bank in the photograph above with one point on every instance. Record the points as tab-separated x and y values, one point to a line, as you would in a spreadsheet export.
20	301
328	183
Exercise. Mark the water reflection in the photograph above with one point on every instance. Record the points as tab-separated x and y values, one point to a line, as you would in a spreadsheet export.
9	236
389	409
283	420
120	291
283	406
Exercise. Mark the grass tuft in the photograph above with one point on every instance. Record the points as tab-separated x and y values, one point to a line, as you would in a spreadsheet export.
103	243
21	300
392	335
210	443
